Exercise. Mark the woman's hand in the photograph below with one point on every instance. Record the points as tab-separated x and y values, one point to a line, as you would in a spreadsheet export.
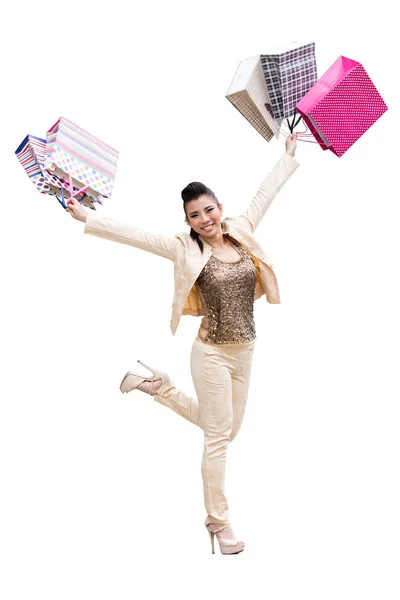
76	210
291	144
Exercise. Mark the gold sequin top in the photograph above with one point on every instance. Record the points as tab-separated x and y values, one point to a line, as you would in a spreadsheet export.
228	292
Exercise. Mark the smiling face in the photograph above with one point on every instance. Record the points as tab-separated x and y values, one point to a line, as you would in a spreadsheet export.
204	216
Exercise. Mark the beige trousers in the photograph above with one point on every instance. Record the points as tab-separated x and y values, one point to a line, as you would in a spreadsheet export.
221	376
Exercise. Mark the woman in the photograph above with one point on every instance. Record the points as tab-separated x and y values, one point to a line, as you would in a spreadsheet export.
219	270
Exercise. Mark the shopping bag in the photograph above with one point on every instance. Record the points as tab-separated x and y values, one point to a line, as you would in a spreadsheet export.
30	154
79	157
249	94
342	105
289	71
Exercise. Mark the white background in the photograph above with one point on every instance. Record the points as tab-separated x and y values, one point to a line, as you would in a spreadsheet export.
101	494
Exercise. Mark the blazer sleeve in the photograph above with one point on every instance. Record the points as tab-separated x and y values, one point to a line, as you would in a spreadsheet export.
127	234
271	185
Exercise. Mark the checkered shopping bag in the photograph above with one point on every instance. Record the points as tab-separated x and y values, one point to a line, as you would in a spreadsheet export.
81	159
249	94
289	73
341	106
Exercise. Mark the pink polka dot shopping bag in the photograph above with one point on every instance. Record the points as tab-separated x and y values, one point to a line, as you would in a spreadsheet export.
341	106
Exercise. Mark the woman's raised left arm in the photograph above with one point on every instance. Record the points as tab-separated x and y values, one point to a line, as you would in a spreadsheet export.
271	185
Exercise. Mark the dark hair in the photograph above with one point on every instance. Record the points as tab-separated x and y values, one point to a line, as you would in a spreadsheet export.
192	192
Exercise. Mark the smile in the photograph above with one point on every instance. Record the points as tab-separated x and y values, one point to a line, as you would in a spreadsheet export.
208	227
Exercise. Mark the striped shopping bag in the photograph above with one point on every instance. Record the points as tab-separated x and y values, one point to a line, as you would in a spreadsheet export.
30	154
249	95
341	106
81	159
289	71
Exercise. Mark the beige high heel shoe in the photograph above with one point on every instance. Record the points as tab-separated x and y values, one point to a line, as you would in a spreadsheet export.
131	380
226	546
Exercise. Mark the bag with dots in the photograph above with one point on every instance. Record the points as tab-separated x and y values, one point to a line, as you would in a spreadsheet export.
79	158
341	106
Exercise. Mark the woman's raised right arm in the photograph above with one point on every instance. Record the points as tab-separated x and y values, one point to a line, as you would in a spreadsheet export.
123	233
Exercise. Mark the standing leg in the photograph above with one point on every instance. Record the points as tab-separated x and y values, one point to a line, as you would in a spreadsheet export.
240	386
211	372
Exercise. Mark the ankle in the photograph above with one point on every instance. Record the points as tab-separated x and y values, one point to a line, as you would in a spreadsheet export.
148	386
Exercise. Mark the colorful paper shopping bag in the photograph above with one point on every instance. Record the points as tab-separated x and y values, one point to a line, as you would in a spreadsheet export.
72	152
289	71
30	154
341	106
249	94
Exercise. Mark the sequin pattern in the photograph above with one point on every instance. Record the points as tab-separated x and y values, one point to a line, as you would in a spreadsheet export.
228	291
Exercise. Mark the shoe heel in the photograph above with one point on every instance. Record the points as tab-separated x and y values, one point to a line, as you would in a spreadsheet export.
212	541
155	372
226	546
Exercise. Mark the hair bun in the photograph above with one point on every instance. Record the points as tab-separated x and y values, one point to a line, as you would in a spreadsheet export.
194	190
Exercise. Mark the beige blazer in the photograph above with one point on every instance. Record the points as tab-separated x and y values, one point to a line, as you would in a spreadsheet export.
185	252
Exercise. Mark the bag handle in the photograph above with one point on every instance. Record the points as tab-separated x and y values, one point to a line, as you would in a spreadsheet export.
70	189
